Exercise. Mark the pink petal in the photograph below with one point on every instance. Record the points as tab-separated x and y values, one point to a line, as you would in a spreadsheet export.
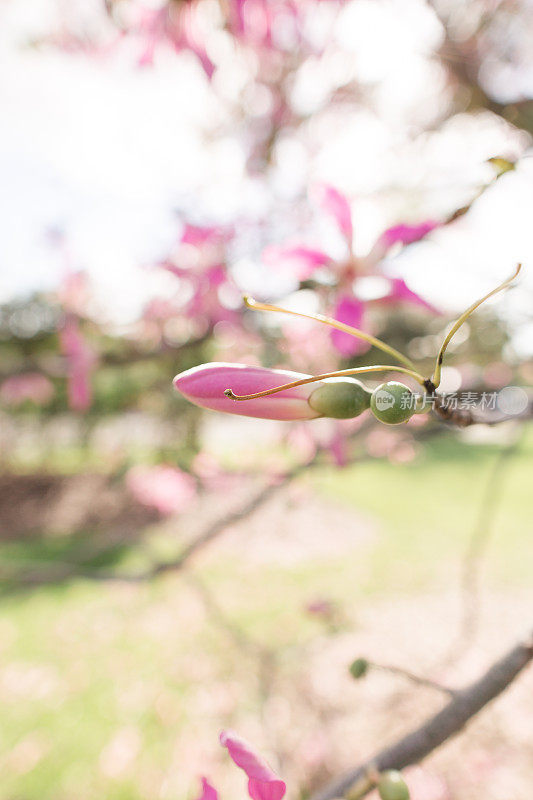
263	783
407	234
215	276
400	292
336	204
79	389
80	361
198	235
205	386
189	40
302	260
208	792
350	311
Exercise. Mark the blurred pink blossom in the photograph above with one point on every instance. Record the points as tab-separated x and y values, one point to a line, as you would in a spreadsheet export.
250	21
29	386
175	24
165	488
80	360
302	260
263	783
407	234
400	292
350	311
199	261
199	235
335	203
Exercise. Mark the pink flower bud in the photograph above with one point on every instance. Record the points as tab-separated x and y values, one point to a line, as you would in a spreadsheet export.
205	386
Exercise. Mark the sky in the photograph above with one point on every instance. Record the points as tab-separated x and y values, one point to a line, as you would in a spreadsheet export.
107	152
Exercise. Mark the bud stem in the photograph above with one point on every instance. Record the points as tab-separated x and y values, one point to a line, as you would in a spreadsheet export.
340	374
333	323
438	365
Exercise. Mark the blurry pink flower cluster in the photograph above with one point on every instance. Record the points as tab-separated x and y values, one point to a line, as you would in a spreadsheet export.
186	25
305	262
199	261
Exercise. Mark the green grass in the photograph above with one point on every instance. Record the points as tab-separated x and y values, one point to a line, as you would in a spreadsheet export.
84	663
429	507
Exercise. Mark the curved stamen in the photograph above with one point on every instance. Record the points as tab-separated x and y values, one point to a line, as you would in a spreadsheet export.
440	357
340	326
340	374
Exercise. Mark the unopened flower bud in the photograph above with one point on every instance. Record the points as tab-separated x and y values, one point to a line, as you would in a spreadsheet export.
206	386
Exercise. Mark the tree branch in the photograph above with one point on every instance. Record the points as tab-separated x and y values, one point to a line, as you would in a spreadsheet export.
438	729
60	570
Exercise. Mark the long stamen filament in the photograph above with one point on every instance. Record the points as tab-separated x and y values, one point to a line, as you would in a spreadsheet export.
440	357
340	374
340	326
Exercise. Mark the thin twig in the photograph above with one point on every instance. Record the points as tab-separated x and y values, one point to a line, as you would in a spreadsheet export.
477	546
415	746
411	676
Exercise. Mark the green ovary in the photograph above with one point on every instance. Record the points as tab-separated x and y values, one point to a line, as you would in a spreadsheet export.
340	398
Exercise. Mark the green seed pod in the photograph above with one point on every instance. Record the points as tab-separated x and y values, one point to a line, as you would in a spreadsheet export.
340	398
392	403
359	668
392	786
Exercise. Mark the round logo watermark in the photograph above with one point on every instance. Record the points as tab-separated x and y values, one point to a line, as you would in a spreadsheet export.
384	399
512	400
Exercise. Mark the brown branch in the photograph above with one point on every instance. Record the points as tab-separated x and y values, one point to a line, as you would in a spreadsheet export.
438	729
63	571
464	417
463	60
